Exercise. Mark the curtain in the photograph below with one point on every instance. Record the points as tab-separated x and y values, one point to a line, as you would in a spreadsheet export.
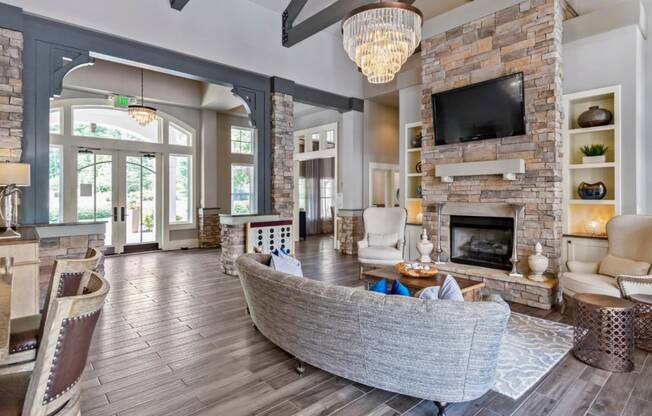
319	177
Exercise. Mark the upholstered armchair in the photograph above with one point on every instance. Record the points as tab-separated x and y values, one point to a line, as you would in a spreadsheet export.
384	237
626	268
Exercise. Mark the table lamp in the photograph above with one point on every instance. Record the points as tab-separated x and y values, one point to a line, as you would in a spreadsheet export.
12	176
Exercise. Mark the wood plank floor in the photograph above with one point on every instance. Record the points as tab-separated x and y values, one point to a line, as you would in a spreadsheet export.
174	339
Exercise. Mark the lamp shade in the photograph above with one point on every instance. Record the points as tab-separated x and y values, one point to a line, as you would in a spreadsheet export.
14	174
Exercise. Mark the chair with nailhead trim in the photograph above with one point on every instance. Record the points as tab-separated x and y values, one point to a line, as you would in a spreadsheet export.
53	387
69	277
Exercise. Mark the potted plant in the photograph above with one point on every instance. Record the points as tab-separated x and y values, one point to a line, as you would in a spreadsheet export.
595	153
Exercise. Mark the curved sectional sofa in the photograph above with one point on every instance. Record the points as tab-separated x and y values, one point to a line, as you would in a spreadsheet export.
442	351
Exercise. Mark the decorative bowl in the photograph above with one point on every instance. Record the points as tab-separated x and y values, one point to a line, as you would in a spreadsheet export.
416	269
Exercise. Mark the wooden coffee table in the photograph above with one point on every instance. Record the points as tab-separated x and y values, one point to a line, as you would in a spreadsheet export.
470	288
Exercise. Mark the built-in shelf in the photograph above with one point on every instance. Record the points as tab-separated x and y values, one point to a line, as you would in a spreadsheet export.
592	165
415	175
592	202
411	180
509	168
414	149
414	200
586	130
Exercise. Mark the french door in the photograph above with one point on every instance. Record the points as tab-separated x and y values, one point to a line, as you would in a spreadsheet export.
124	189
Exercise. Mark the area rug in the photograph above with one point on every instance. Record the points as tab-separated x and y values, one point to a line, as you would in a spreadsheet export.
531	348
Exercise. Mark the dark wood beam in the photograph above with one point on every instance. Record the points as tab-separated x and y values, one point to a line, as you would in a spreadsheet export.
178	4
314	24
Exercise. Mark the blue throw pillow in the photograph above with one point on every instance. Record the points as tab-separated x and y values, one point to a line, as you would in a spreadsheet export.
380	287
399	289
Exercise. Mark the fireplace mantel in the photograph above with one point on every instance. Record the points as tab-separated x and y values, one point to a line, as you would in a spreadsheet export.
509	168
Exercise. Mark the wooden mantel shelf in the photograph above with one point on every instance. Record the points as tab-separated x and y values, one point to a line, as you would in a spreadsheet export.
508	168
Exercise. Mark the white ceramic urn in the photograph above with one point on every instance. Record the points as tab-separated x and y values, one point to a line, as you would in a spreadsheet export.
425	247
538	264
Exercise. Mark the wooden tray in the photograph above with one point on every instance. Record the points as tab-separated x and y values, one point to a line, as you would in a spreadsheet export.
405	270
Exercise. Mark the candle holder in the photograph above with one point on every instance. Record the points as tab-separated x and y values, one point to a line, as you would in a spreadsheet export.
439	251
518	209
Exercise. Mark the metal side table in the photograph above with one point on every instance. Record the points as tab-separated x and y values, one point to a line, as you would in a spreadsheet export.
604	332
643	322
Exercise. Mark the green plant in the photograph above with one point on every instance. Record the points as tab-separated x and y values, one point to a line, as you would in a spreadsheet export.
594	150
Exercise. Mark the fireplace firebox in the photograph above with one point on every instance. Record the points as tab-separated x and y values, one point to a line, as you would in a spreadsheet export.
482	241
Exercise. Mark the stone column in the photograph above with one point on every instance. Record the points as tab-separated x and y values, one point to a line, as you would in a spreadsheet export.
282	154
11	95
209	227
233	246
350	230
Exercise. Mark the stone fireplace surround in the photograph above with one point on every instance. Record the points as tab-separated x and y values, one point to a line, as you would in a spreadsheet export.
527	38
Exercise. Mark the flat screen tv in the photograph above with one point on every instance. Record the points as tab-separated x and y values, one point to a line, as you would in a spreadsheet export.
487	110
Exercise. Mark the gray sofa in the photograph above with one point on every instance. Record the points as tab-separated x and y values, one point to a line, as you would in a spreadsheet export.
442	351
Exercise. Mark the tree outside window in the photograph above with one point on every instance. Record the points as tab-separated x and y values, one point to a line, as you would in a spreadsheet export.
242	140
242	179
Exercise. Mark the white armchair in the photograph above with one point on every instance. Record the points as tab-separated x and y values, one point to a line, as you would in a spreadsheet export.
384	237
625	270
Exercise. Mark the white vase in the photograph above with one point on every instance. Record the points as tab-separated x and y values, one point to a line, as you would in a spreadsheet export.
594	159
425	247
538	264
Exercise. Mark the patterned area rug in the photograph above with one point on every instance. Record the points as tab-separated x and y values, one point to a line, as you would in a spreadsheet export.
531	347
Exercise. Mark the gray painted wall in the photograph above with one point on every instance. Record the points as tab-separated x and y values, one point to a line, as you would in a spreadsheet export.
381	139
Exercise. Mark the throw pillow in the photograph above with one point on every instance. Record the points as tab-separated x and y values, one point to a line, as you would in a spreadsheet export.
429	293
380	287
283	263
399	289
615	266
450	290
382	240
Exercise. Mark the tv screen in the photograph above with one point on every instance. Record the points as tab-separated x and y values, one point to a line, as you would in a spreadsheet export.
488	110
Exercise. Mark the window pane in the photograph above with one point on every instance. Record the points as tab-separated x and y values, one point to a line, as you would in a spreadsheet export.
55	121
242	140
109	123
326	197
302	193
95	190
242	179
315	141
56	159
179	136
330	139
180	189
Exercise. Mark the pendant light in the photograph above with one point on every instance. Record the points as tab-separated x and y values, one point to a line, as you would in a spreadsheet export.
141	113
380	37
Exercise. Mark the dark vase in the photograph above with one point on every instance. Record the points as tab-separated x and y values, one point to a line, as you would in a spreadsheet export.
416	141
418	167
594	117
592	190
419	191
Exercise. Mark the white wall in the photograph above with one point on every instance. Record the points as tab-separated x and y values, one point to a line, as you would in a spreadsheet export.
351	166
238	33
613	58
381	139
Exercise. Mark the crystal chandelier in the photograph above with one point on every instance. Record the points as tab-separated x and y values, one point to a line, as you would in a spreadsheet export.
380	37
141	113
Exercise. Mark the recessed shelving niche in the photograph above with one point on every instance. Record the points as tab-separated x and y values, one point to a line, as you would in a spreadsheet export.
590	216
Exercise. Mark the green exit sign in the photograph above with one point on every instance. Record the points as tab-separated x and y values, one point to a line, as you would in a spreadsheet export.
121	101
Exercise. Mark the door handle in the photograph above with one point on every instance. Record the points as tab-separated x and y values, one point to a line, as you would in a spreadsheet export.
115	214
122	213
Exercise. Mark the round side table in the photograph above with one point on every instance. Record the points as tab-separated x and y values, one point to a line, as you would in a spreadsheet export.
604	332
643	323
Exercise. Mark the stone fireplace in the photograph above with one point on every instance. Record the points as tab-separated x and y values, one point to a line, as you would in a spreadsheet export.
482	241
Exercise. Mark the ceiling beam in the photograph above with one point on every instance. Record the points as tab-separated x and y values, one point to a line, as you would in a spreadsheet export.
178	4
314	24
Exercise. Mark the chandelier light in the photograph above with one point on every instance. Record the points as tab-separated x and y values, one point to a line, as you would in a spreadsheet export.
380	37
141	113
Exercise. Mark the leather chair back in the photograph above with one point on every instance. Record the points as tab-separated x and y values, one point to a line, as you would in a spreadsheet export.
54	385
69	278
630	236
385	221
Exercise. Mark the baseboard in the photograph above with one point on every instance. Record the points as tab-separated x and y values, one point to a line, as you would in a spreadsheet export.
179	244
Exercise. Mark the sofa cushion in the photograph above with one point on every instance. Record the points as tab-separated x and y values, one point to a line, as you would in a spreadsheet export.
380	287
382	240
380	253
286	264
615	266
399	289
590	283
